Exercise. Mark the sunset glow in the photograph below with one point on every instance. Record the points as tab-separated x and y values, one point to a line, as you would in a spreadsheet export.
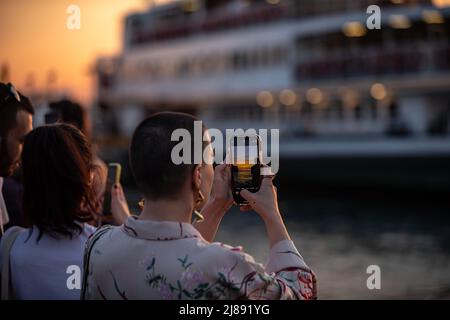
35	40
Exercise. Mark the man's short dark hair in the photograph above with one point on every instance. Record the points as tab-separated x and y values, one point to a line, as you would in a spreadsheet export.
155	174
11	102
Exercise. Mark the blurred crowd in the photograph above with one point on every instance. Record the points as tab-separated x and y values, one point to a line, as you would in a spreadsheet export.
59	242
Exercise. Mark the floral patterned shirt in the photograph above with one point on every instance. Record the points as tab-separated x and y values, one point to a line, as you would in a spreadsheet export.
171	260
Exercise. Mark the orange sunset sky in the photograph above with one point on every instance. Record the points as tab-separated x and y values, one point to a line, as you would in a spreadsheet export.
35	40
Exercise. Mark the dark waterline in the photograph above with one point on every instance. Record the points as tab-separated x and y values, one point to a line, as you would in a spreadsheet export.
341	232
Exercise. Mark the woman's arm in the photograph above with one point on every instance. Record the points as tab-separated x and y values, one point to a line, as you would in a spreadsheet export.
219	203
213	213
285	277
265	203
119	205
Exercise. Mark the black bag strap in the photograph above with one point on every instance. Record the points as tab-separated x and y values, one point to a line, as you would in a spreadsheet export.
87	255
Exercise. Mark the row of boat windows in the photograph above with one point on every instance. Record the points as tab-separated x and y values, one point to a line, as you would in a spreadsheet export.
382	52
314	53
308	7
177	23
419	34
392	63
368	112
334	110
208	64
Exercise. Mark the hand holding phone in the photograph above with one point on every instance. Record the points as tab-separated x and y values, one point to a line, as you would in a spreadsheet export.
220	192
113	177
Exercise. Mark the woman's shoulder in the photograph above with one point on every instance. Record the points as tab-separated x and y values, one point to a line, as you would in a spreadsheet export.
18	233
96	234
222	251
23	234
226	248
89	229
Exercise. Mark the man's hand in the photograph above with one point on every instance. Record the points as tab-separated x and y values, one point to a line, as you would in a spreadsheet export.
221	189
119	207
264	202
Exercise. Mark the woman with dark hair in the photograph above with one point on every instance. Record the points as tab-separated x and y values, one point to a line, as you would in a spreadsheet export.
162	255
57	169
71	112
58	200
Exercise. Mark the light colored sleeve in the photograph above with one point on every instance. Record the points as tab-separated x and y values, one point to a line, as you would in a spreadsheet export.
4	218
90	289
286	276
93	290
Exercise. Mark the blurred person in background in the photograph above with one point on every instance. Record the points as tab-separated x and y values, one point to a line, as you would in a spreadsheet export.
58	200
162	255
16	118
67	111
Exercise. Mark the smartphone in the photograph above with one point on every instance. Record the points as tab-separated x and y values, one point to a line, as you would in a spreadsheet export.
113	177
245	166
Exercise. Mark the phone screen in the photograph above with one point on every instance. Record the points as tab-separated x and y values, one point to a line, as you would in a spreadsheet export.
114	170
246	158
245	166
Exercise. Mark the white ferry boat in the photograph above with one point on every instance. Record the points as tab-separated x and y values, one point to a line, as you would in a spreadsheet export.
343	96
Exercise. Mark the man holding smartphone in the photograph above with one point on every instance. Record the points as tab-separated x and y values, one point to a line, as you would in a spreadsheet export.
16	117
161	254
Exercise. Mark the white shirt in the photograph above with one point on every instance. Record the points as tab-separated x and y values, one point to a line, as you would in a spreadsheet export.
39	270
4	218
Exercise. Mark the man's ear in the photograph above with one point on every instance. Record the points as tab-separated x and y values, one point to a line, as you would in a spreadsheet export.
197	176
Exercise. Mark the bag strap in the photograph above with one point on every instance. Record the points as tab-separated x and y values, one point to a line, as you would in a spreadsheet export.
7	242
87	255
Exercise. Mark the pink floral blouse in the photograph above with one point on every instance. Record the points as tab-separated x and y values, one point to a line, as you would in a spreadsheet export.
170	260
